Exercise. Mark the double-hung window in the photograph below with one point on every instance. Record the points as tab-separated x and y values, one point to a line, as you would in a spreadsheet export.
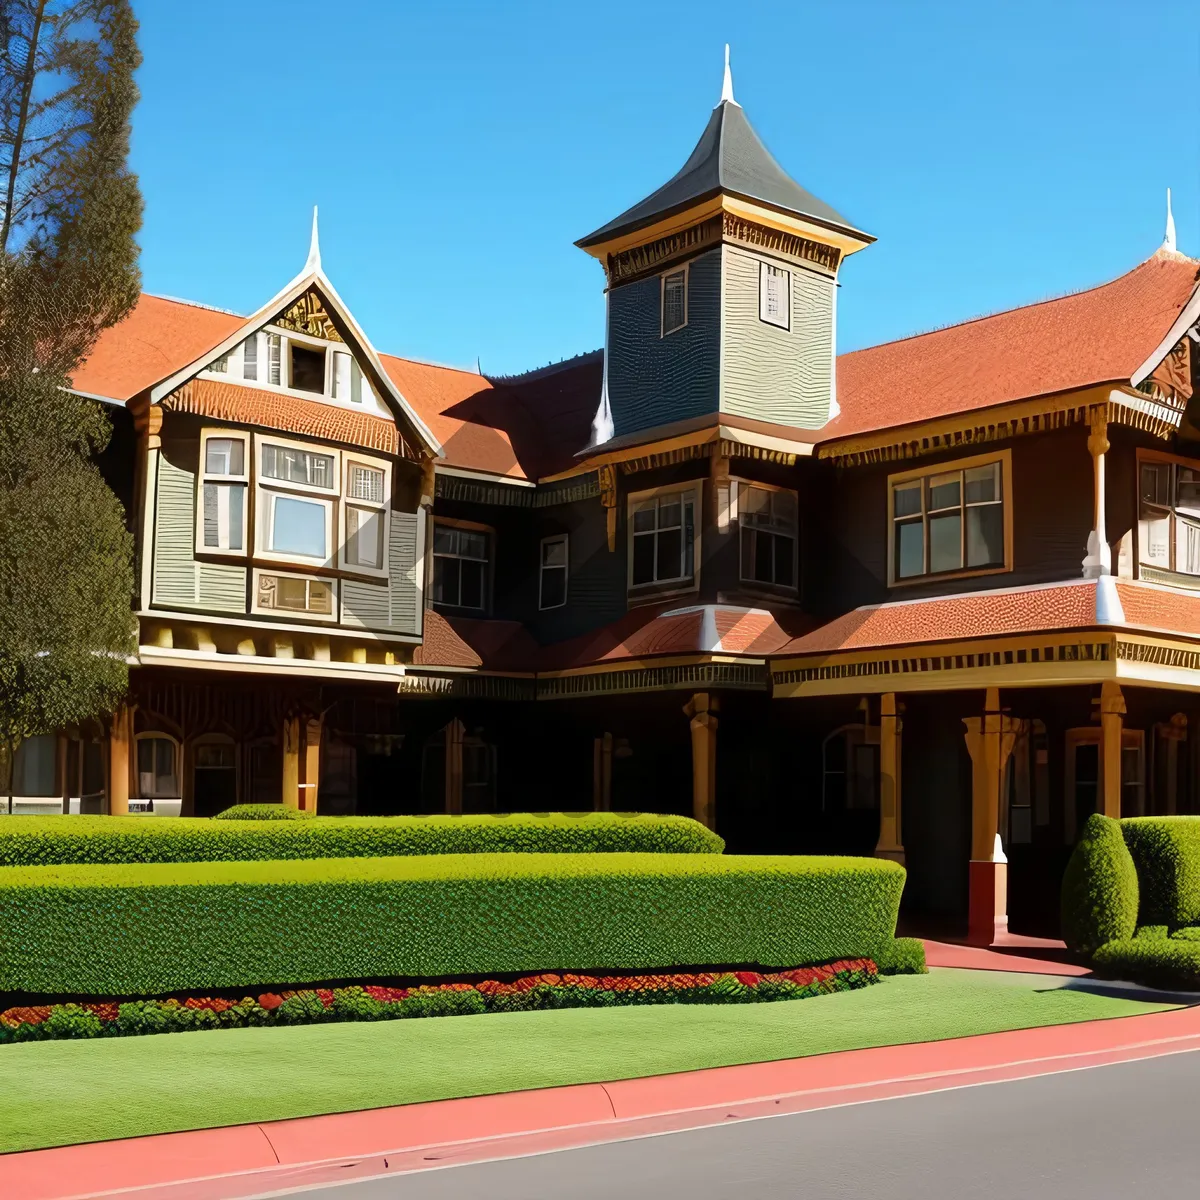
365	508
349	382
768	531
674	300
221	519
460	566
157	766
774	295
950	520
297	488
552	578
1169	516
663	538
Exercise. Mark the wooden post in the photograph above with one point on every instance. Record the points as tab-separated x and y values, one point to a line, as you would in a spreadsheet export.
291	762
454	766
701	710
1112	724
891	843
1099	556
607	475
64	783
120	742
602	755
990	741
312	765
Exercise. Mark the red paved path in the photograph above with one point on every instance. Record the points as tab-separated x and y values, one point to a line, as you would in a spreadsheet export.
220	1164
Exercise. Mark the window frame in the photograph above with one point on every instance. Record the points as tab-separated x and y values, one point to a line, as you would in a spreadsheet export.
1093	735
267	490
1150	571
680	584
177	749
383	508
565	539
793	588
684	270
765	269
1004	458
289	614
488	571
204	478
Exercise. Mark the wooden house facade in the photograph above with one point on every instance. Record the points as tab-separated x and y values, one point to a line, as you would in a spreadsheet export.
936	600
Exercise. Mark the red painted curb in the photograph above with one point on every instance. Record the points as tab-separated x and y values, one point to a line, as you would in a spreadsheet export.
220	1164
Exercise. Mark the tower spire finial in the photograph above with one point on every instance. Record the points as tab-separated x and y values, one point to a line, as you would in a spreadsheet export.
314	247
1169	240
727	83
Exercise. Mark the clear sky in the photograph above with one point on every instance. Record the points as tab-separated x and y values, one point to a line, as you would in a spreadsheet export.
1000	152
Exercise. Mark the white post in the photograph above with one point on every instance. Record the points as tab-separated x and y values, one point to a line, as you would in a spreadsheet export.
1099	557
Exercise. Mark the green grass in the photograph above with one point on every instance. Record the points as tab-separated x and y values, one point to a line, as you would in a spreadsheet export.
58	1093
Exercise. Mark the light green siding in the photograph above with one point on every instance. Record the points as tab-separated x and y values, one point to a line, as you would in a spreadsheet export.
394	606
768	373
179	581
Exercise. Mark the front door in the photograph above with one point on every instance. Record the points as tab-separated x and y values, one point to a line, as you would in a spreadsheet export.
214	778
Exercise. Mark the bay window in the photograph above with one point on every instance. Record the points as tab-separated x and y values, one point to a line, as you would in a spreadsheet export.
1169	516
953	519
768	521
297	488
221	515
460	566
366	497
304	596
662	538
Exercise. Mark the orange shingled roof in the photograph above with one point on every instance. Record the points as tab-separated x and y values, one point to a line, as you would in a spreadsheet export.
1099	336
474	642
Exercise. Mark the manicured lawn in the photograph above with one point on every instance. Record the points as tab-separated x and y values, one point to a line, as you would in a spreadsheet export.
56	1093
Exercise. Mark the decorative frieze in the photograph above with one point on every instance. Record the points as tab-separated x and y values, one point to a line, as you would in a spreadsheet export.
692	677
737	229
472	491
308	315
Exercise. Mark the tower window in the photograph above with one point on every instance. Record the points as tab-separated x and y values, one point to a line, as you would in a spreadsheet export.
674	301
774	295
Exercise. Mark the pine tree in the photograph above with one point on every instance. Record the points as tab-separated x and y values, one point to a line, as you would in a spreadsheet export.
69	212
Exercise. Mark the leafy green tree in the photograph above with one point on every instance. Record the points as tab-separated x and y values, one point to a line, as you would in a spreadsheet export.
69	212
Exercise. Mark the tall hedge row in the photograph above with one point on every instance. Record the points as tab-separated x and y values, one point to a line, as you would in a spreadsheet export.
145	929
1166	852
30	841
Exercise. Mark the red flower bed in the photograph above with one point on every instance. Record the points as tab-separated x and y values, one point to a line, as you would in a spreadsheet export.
375	1002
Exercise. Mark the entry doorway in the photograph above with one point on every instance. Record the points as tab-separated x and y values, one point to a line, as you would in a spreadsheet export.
1083	777
214	775
850	790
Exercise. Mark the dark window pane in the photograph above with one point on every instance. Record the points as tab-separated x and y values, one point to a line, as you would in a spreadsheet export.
985	535
643	558
906	500
945	542
982	483
554	587
445	580
763	564
785	561
472	584
670	545
910	549
308	369
944	491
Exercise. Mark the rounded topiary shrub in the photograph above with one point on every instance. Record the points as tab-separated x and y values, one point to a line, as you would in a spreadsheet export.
1100	888
263	812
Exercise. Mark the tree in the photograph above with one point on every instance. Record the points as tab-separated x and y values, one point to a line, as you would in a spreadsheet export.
69	212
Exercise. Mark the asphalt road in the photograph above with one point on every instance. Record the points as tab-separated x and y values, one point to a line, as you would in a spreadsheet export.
1132	1129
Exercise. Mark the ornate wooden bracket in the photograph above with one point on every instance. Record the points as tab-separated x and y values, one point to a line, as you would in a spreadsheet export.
607	475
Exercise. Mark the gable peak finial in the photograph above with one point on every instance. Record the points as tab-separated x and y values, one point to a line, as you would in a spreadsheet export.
314	247
1169	239
727	82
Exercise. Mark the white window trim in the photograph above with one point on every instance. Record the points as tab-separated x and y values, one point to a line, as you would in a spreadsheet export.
764	269
384	509
242	480
565	538
735	508
1004	458
685	271
683	583
1149	570
154	735
265	489
293	614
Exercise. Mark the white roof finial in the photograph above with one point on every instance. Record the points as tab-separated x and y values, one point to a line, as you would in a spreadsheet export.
727	84
1169	240
314	248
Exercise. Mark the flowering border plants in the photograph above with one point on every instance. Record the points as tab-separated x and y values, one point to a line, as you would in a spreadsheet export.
378	1003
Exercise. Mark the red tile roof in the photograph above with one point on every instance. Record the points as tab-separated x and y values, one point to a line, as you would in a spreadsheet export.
273	410
1098	336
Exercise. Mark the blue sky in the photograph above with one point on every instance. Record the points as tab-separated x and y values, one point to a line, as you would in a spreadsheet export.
1000	152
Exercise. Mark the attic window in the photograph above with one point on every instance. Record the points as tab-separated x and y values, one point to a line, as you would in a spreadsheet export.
307	372
774	293
674	301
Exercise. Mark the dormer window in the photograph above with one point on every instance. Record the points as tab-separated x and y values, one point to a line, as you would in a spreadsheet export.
307	373
774	295
250	357
674	301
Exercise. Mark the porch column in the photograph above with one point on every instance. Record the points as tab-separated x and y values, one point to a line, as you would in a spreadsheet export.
602	750
291	762
990	741
454	765
891	844
120	741
1099	557
63	748
701	710
312	765
1112	724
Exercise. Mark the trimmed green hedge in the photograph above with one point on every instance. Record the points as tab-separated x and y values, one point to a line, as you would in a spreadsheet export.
1157	962
1100	888
31	841
1166	852
146	929
264	812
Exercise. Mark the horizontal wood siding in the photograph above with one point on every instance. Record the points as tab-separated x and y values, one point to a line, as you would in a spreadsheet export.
654	380
769	373
393	605
179	581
